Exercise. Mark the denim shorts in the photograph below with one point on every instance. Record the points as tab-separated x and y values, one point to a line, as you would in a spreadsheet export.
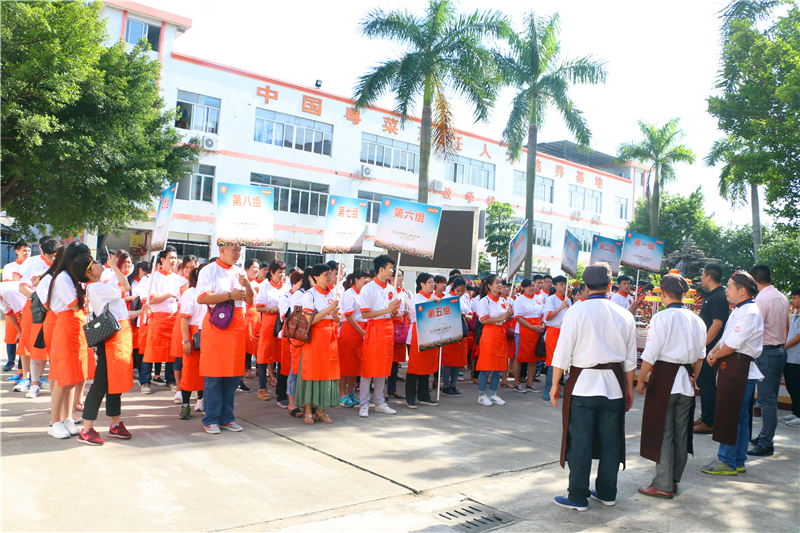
177	366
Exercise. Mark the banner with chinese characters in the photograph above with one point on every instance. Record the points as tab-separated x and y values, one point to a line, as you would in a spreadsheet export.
244	215
516	250
408	227
608	250
569	255
642	252
161	232
438	323
345	225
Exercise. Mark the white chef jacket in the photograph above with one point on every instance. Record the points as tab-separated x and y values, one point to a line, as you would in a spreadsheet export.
162	285
14	300
64	294
554	302
416	299
316	301
43	288
219	277
623	300
192	310
744	332
376	296
488	307
10	268
351	304
269	295
527	307
101	293
33	267
108	274
283	305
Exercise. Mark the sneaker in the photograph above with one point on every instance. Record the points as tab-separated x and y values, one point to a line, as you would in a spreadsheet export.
186	412
213	429
363	412
71	427
15	378
741	470
761	451
263	394
496	399
58	430
484	400
787	418
532	389
8	367
173	387
594	496
90	437
411	404
199	406
146	389
757	411
33	392
243	387
519	388
135	373
159	380
178	397
448	391
385	409
546	396
565	502
429	401
44	384
718	468
354	399
284	404
22	385
794	423
233	426
457	392
345	401
119	431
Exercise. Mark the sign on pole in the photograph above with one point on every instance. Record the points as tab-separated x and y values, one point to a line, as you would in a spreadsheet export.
345	225
569	255
516	250
438	323
161	232
642	252
608	250
408	227
244	215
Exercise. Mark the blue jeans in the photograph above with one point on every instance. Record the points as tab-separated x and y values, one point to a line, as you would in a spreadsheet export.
516	344
11	350
147	369
548	382
261	369
450	376
218	395
291	384
494	383
735	456
770	363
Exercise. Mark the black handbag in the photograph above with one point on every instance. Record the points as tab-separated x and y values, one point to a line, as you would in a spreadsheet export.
464	327
478	332
196	342
39	342
136	304
541	349
279	324
100	328
38	310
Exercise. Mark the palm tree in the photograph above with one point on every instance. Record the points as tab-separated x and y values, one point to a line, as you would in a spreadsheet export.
743	168
534	68
445	55
659	147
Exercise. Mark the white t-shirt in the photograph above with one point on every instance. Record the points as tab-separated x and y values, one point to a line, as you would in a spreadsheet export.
376	296
13	299
283	305
163	285
33	267
269	295
192	310
490	307
527	307
623	300
64	293
351	304
10	268
554	302
316	300
744	332
102	293
43	288
219	277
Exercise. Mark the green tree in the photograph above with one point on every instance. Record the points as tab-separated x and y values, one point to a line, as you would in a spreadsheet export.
661	147
541	79
484	264
500	229
445	55
734	247
781	255
86	141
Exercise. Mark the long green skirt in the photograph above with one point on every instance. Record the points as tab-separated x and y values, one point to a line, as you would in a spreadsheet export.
320	393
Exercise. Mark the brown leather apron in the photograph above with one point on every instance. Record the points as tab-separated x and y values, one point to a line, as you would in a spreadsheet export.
731	382
574	372
656	402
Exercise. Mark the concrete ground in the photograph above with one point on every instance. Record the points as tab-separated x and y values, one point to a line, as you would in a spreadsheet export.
384	473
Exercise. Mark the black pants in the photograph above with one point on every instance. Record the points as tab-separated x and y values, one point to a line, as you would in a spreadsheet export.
707	383
248	361
791	372
186	395
137	359
280	388
99	389
393	378
587	415
417	387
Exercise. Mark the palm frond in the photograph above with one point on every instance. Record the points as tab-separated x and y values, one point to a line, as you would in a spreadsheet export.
575	120
408	84
748	11
515	134
400	26
371	86
587	70
443	139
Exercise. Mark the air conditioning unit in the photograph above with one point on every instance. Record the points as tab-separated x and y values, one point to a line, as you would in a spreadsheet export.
367	172
576	214
437	185
596	219
210	144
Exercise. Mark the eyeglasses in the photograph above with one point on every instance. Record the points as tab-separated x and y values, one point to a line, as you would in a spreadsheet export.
430	282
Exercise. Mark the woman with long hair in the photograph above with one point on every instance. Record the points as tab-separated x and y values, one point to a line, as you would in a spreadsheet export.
252	319
269	347
421	364
191	319
287	369
493	359
454	356
187	265
351	337
295	300
138	329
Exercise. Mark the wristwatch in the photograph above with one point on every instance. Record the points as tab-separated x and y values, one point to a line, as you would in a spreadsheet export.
187	340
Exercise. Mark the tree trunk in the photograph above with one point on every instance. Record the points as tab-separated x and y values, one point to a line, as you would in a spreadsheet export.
530	187
425	142
655	206
754	206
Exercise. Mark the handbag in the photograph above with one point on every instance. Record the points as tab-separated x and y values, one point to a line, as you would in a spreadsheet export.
38	310
39	342
400	332
136	304
541	348
464	327
222	314
478	332
100	328
196	342
297	327
276	330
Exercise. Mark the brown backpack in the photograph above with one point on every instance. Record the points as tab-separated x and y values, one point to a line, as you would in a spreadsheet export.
297	326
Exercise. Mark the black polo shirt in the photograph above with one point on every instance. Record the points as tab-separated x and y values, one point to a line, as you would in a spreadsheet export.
715	306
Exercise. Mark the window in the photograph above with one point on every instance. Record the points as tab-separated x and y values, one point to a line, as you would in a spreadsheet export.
374	204
585	236
542	234
295	196
383	152
585	199
469	171
519	183
198	186
621	207
198	112
543	191
293	132
640	175
135	31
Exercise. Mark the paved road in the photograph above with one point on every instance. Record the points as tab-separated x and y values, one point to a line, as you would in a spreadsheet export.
385	473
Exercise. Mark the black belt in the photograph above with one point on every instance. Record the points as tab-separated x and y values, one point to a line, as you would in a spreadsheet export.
772	346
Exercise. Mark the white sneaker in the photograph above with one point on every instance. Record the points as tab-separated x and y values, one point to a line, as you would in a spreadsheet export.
178	398
33	392
71	427
385	409
22	385
363	411
484	400
233	426
58	430
787	418
496	399
199	405
794	423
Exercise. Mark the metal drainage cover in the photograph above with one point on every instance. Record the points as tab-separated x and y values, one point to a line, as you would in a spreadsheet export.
470	516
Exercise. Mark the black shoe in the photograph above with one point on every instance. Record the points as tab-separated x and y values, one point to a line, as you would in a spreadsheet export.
411	404
448	391
159	380
428	402
760	451
754	441
186	412
396	396
243	387
456	392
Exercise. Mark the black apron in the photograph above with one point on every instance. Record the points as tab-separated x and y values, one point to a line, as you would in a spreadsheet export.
656	402
732	374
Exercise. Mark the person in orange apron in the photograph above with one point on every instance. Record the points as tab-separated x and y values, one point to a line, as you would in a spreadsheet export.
285	397
378	307
421	364
114	355
286	305
454	356
318	375
493	359
23	251
190	319
351	337
555	308
597	345
400	324
737	375
188	264
140	271
675	350
527	313
509	326
269	345
223	341
163	301
252	318
143	324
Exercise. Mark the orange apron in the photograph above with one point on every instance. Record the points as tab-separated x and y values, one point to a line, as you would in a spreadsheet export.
176	348
253	328
351	349
26	321
159	338
493	356
286	357
400	350
69	359
421	363
191	380
11	331
119	359
143	329
378	349
511	344
222	351
134	336
269	348
470	341
50	321
528	341
321	355
455	354
40	354
550	341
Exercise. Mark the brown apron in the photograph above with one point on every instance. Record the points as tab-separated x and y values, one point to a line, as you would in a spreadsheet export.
656	402
574	372
731	382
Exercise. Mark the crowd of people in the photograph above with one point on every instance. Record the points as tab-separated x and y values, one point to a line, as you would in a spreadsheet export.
200	328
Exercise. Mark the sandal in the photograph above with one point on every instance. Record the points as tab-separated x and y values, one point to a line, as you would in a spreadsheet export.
309	419
296	413
323	417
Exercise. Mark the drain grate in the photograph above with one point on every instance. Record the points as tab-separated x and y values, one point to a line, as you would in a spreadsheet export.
471	516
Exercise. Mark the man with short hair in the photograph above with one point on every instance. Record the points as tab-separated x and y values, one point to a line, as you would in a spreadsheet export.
547	285
774	308
714	314
791	372
22	249
555	308
624	298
